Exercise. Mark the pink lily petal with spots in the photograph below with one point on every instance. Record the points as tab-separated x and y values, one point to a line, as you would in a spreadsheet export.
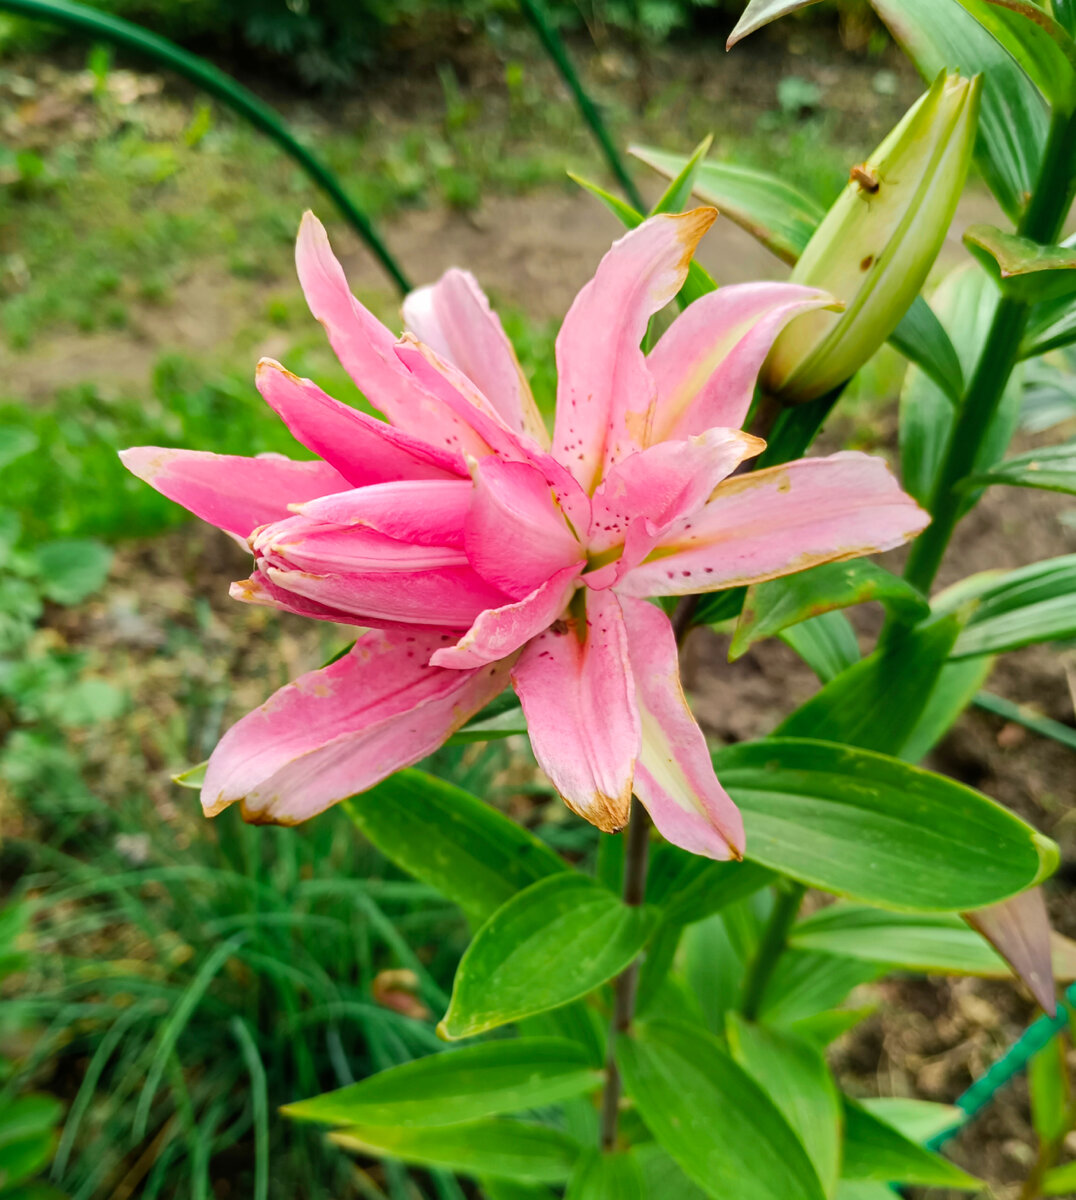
515	535
780	520
674	776
362	448
234	493
454	318
575	684
605	393
707	362
340	730
460	394
429	512
499	631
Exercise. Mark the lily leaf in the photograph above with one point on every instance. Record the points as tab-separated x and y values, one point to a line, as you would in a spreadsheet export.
1023	269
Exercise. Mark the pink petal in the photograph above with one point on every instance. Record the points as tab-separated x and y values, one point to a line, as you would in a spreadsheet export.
665	481
706	364
516	536
454	318
259	589
781	520
365	347
500	631
362	448
363	574
430	512
1019	930
234	493
674	776
578	696
340	730
605	392
459	393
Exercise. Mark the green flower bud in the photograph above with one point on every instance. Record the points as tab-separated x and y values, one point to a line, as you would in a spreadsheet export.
877	244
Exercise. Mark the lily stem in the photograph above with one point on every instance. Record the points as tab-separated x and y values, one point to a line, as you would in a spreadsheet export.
773	944
636	857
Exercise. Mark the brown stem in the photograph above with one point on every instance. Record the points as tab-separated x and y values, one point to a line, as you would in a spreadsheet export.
636	854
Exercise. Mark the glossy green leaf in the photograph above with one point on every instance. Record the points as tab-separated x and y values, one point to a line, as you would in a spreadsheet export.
699	281
803	986
1060	1181
863	1189
507	1189
965	302
826	1026
826	643
1023	269
447	1089
503	1149
1014	116
712	1117
919	1120
22	1157
1048	1084
192	777
28	1115
662	1177
442	835
920	942
874	1149
702	888
922	339
1032	604
773	606
1050	326
878	830
72	570
876	703
954	689
1052	468
774	212
616	1176
554	942
1038	43
793	1073
676	196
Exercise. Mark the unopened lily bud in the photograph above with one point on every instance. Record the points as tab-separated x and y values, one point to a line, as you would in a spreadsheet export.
877	244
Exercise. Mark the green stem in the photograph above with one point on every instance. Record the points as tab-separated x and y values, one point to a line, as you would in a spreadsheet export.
773	944
550	39
636	856
1041	222
105	27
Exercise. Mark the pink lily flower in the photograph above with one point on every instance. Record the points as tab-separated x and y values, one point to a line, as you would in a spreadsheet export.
478	552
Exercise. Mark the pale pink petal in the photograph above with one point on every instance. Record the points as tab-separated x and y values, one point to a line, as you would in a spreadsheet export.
605	393
674	776
500	631
340	730
234	493
1019	930
780	520
365	346
455	319
706	364
665	481
366	575
425	511
259	589
515	534
459	393
362	448
575	684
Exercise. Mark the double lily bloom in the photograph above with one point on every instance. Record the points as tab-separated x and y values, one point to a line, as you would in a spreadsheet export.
478	552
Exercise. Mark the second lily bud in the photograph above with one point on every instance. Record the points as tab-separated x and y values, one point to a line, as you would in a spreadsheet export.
877	244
